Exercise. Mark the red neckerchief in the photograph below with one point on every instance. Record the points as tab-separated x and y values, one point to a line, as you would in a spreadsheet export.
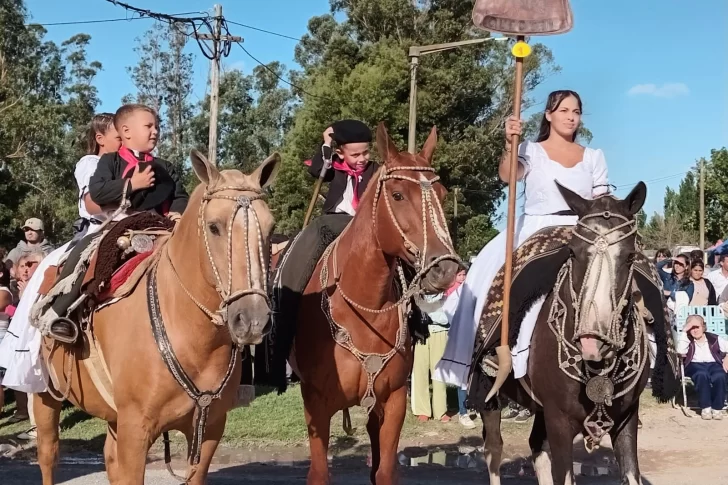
131	160
356	174
452	288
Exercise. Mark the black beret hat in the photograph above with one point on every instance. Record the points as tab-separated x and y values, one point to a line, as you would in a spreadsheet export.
351	131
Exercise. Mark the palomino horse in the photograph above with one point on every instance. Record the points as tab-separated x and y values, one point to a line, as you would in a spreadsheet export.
216	258
589	362
352	346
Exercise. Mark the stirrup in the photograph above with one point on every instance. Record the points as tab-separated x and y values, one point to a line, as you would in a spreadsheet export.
63	338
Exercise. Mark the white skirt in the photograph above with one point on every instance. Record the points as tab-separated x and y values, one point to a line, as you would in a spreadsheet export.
464	311
20	349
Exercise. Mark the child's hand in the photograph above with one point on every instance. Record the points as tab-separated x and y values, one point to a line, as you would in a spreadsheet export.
142	179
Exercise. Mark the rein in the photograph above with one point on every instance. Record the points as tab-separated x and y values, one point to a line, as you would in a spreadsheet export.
227	296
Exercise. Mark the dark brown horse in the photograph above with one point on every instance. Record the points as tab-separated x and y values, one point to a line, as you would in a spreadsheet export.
352	345
588	362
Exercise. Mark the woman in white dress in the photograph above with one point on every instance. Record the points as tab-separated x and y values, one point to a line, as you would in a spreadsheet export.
555	156
20	349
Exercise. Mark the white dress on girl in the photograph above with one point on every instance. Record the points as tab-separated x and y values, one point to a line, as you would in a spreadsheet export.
20	349
542	202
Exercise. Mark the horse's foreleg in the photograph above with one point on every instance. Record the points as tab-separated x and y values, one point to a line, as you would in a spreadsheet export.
561	439
493	447
373	425
133	440
541	459
47	412
318	421
110	455
390	428
197	475
624	441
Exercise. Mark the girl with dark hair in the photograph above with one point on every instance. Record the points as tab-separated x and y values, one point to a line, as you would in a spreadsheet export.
671	281
700	290
24	370
554	156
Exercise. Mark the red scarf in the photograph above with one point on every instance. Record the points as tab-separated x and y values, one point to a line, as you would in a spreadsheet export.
131	159
452	288
356	174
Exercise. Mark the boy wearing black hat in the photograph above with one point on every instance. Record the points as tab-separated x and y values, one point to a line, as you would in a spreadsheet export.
348	177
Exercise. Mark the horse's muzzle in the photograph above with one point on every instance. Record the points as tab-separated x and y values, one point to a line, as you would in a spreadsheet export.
593	349
440	277
249	320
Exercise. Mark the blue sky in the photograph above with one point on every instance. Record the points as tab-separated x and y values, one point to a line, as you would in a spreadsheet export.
651	73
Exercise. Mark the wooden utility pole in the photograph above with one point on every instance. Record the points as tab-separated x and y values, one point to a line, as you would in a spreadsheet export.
702	203
216	38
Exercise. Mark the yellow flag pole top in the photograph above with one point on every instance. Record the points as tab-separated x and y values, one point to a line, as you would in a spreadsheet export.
521	49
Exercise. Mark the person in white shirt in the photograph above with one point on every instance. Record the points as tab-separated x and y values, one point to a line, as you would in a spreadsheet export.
719	277
554	156
706	365
20	349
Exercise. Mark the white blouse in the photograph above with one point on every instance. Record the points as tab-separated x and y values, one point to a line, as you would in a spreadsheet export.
587	178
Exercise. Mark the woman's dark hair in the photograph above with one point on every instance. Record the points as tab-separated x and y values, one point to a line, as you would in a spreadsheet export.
4	276
686	275
664	252
552	104
695	263
696	255
99	124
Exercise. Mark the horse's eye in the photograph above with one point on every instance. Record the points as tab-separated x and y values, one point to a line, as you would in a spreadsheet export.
214	228
397	196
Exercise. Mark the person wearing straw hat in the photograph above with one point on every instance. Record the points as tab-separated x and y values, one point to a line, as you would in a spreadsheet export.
553	157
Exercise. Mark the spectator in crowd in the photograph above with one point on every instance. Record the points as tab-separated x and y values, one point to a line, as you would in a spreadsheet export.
662	254
699	290
451	295
427	355
35	241
697	255
6	300
678	270
719	277
706	365
24	270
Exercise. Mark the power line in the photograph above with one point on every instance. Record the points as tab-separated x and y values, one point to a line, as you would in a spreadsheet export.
265	31
659	179
275	73
102	21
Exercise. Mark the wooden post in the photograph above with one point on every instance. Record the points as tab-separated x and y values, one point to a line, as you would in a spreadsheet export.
214	87
215	37
455	217
702	204
414	62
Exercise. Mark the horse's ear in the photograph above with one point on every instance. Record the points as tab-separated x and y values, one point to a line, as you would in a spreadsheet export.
385	146
429	147
636	199
205	171
575	202
267	171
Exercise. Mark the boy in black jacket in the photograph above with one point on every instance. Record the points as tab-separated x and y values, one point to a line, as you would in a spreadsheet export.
149	183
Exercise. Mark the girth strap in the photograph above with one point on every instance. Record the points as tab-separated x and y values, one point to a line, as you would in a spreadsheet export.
202	399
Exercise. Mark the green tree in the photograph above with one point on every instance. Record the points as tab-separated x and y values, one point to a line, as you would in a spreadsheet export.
358	67
716	195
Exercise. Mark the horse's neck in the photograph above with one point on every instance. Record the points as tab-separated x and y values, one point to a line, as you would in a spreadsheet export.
362	264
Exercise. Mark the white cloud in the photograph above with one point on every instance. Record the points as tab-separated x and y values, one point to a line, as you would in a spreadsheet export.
667	90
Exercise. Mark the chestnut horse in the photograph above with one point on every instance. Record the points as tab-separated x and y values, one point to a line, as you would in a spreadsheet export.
352	346
216	258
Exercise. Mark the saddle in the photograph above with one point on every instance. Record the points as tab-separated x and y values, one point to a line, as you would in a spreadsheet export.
99	268
523	17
